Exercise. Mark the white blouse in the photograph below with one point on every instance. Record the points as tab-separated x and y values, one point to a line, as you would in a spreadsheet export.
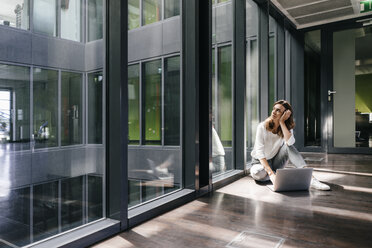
268	144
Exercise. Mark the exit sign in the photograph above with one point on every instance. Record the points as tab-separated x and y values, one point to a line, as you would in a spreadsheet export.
365	6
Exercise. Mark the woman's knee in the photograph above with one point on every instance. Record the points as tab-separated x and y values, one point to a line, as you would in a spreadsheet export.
258	172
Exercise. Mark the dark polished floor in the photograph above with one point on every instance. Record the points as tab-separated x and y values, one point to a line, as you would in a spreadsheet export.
246	214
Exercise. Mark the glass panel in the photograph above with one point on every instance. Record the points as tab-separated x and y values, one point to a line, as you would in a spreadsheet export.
221	1
71	104
14	13
71	203
151	11
133	14
172	101
352	106
251	18
172	8
71	19
152	102
312	88
14	214
45	106
134	104
252	92
222	113
45	17
225	95
95	99
45	210
14	108
134	192
272	76
95	197
45	188
95	20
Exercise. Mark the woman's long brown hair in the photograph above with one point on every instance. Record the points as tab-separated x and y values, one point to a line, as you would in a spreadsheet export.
269	122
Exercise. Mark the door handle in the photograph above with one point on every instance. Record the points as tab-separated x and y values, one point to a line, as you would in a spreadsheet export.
330	92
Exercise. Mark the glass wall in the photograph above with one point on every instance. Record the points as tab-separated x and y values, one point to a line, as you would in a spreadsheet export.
272	63
15	13
14	108
222	88
134	104
45	108
45	17
95	108
95	20
134	14
252	73
52	128
152	92
72	109
71	13
172	102
154	124
151	11
171	8
312	60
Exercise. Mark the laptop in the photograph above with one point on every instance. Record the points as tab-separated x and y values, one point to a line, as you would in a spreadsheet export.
291	179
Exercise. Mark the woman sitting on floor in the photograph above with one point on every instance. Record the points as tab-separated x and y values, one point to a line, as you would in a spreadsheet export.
274	146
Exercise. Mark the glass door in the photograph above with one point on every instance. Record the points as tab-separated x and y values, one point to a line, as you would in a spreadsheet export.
351	96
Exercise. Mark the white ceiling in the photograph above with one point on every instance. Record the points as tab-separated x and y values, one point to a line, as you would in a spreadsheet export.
307	13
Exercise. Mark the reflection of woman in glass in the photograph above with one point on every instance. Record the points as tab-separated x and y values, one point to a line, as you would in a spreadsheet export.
274	146
218	153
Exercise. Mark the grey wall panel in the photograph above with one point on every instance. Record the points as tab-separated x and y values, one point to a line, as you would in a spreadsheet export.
95	160
224	23
15	45
61	163
94	52
145	42
15	170
142	161
172	35
48	165
51	52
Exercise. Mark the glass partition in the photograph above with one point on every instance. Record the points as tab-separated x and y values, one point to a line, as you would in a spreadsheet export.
252	73
151	11
95	20
71	20
14	108
72	109
152	92
15	13
45	108
172	100
222	109
95	114
134	104
312	55
45	17
272	63
154	125
133	14
52	121
171	8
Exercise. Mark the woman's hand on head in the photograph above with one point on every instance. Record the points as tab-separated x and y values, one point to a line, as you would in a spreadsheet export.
285	115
